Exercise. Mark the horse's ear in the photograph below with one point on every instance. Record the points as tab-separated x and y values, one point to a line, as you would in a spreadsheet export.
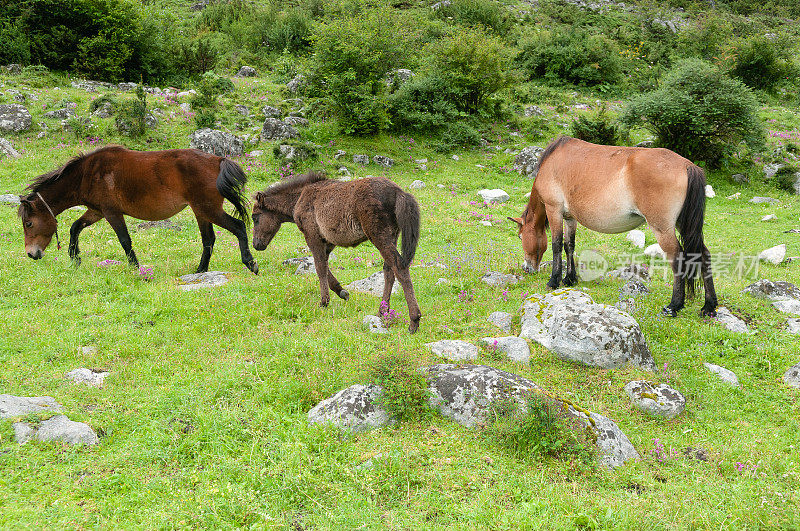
518	221
259	197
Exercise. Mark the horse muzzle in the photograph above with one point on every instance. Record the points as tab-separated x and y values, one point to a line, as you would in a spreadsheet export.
35	254
528	267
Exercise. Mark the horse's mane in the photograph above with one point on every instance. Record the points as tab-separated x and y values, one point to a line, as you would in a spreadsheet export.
555	144
290	184
53	176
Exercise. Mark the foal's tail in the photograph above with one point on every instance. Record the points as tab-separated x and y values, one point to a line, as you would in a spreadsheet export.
690	227
406	210
230	183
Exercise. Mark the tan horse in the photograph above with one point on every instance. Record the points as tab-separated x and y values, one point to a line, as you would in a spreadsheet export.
613	189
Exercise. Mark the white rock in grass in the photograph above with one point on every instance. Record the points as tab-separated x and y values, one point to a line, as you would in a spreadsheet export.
61	429
375	324
769	217
372	285
501	320
494	196
353	409
19	406
788	306
454	349
515	348
636	237
416	185
89	377
499	280
792	376
710	192
793	326
731	322
760	200
774	291
655	251
209	279
10	198
724	374
659	400
773	255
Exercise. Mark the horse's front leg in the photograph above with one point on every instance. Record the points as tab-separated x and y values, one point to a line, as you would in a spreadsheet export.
557	234
208	237
571	278
89	217
332	281
318	251
117	222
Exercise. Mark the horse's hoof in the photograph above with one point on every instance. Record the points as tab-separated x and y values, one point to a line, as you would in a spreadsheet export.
708	312
252	265
569	282
553	284
668	312
344	294
76	261
323	303
413	327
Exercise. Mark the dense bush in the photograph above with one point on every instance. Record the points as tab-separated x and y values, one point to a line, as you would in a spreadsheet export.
351	59
424	104
132	114
488	14
761	63
204	103
15	47
570	55
698	112
597	128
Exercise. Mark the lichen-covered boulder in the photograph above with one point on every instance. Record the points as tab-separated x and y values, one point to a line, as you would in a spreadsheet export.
525	162
774	291
246	71
56	429
501	320
274	129
216	142
454	349
467	393
569	323
659	400
353	409
731	322
14	118
792	376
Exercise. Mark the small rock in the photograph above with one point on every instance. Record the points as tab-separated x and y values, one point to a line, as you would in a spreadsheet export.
533	110
636	237
724	374
271	112
243	110
216	142
501	320
646	144
494	196
14	118
633	289
759	200
737	195
209	279
731	322
274	129
372	285
515	348
659	400
374	324
499	280
416	185
361	159
19	406
792	376
773	291
297	83
655	251
793	326
353	409
740	178
787	306
246	71
769	217
382	160
771	169
710	192
455	157
339	154
10	198
7	149
454	349
89	377
485	223
442	281
773	255
640	272
296	121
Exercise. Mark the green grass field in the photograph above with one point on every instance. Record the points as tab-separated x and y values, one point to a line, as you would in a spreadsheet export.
203	420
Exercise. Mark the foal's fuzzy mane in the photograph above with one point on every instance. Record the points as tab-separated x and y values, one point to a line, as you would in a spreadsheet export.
290	184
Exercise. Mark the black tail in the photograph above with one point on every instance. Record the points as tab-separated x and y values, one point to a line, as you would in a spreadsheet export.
230	183
406	210
690	226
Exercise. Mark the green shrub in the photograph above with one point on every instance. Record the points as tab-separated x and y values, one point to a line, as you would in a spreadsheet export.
205	103
132	114
570	55
761	63
698	112
540	429
405	390
15	47
786	177
351	59
477	13
597	128
475	65
457	135
424	104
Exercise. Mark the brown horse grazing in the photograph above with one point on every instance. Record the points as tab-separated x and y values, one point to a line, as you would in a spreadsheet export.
614	189
152	185
331	213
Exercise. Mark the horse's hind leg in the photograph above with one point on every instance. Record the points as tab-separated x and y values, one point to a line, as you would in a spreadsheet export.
557	235
238	229
89	217
117	222
710	306
334	284
672	248
571	278
392	258
208	237
388	285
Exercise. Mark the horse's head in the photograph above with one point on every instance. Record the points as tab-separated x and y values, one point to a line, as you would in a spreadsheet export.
531	230
266	222
38	224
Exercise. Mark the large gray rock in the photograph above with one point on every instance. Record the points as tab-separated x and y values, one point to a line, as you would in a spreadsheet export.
372	285
56	429
383	160
727	376
569	323
792	376
785	296
499	280
454	349
773	255
495	195
220	143
525	162
353	409
659	400
271	112
7	149
361	159
501	320
297	83
275	129
515	348
14	118
467	394
209	279
788	306
246	71
19	406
